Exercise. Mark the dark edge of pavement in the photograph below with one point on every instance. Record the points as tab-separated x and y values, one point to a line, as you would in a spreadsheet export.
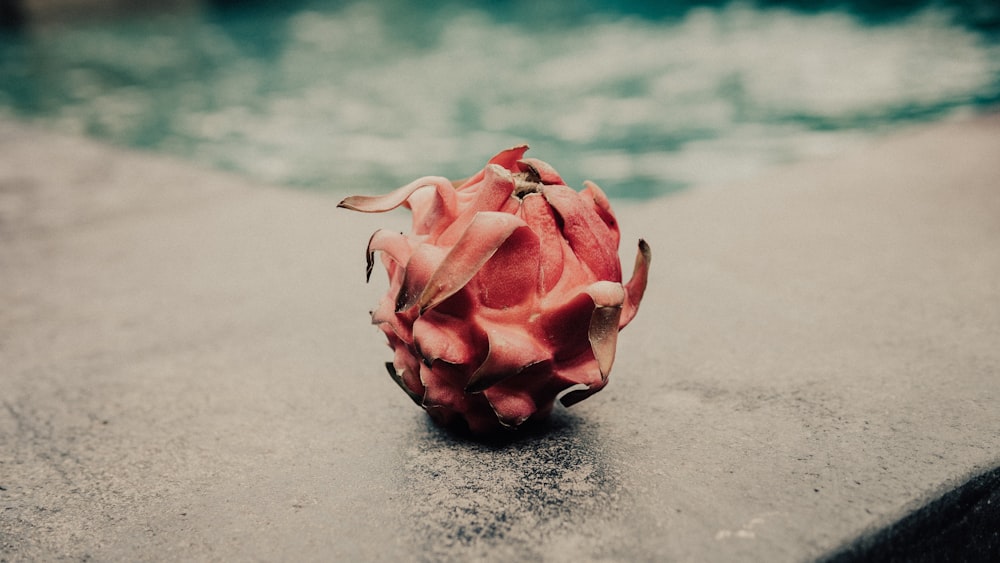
963	524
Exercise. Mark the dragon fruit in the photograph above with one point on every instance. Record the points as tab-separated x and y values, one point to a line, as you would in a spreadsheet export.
507	294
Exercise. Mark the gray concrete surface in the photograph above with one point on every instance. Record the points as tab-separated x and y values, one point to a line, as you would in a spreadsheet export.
188	374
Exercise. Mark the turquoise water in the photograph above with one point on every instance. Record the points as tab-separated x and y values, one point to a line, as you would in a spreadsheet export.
356	96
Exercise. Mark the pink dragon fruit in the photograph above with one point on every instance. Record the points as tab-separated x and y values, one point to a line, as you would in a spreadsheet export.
506	296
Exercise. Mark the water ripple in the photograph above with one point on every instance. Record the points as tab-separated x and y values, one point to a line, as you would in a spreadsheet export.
363	96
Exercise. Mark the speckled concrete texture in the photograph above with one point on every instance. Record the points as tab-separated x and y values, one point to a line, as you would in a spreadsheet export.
188	372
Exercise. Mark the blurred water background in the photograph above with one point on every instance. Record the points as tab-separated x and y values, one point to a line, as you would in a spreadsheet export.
642	97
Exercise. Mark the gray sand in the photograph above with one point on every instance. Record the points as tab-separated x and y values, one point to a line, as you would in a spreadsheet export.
187	372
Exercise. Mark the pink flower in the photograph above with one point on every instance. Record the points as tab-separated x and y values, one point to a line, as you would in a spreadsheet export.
506	295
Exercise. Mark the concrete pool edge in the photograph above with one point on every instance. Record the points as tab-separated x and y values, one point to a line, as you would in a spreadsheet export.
148	424
962	523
